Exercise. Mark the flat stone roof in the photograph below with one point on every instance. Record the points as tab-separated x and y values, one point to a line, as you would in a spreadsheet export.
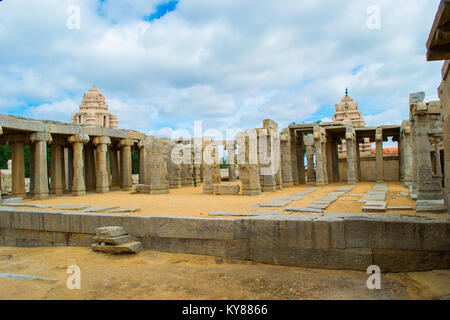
14	124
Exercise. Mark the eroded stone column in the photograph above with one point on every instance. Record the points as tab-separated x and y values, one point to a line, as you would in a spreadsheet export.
125	158
78	182
379	155
142	161
319	157
17	142
294	153
89	168
286	165
309	142
115	168
57	166
300	159
209	163
40	140
248	162
231	151
351	155
158	152
101	172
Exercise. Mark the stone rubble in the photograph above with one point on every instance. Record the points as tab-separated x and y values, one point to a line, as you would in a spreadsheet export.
115	240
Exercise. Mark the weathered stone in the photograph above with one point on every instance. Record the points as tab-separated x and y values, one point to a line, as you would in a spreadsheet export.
304	209
130	247
226	189
110	232
114	240
123	210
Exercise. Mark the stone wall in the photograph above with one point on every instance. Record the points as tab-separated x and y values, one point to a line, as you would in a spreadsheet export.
369	171
335	241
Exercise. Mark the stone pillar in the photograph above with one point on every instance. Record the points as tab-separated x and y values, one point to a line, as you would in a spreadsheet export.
351	155
108	165
57	168
294	154
158	153
379	155
231	151
142	161
17	142
300	159
209	163
101	172
309	142
437	157
115	171
427	184
40	140
70	168
63	168
89	151
329	155
248	163
266	161
286	161
78	182
31	163
319	156
125	158
358	157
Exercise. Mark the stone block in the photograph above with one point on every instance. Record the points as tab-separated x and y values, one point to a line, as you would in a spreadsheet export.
304	209
114	240
226	189
130	247
416	97
110	232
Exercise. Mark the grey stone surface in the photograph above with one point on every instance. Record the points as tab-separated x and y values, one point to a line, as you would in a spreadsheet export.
400	208
100	208
12	200
282	203
70	207
304	209
123	209
416	97
228	213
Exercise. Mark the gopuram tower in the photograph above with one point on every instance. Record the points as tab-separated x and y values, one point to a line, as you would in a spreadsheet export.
347	112
94	111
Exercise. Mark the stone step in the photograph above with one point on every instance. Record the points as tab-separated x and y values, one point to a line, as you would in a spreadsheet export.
129	247
110	232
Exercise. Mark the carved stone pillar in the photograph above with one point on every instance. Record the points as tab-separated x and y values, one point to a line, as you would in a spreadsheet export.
40	140
57	166
17	142
78	182
142	161
125	158
351	155
379	155
309	143
101	172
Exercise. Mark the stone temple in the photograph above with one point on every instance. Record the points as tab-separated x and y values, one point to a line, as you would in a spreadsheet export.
94	111
347	112
290	198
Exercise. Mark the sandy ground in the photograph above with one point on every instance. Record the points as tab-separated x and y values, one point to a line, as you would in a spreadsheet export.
191	202
157	275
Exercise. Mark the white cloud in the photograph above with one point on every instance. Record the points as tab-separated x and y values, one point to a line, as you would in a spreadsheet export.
229	63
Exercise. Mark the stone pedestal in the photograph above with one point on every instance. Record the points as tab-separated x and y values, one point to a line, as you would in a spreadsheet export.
78	182
101	172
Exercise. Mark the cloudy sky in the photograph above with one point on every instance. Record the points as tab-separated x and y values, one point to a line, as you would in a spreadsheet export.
230	63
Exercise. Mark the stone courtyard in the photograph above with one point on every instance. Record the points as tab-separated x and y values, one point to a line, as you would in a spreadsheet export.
315	202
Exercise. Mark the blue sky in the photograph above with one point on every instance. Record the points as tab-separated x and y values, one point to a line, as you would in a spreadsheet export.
164	64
